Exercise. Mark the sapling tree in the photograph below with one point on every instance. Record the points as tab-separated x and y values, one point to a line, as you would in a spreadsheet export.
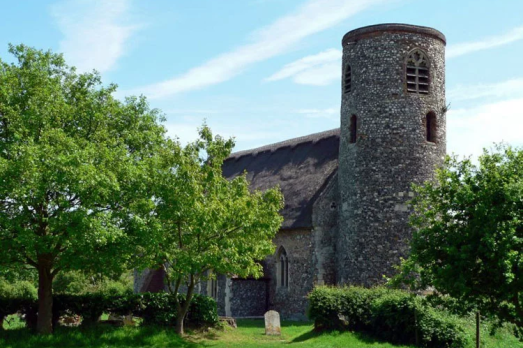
204	223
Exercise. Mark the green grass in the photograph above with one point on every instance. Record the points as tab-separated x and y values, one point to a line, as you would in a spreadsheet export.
250	333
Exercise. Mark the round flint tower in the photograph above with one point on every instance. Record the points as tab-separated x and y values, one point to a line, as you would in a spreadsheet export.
392	135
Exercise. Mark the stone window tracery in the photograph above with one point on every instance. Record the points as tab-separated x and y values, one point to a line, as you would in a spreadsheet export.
282	268
347	80
417	72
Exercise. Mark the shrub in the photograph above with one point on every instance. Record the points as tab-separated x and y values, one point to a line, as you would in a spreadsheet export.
325	308
202	312
154	308
77	283
393	315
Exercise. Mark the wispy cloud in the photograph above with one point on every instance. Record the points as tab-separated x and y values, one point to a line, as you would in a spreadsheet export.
472	129
96	32
275	39
319	69
507	89
460	49
320	113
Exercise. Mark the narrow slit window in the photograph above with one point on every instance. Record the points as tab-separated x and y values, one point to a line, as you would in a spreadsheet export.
353	129
283	269
431	127
417	73
347	80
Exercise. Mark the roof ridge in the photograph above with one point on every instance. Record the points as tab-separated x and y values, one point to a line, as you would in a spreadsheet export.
289	142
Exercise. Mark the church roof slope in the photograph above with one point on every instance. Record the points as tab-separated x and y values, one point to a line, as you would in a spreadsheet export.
300	166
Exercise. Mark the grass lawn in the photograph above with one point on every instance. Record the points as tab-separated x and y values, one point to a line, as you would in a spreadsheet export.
250	333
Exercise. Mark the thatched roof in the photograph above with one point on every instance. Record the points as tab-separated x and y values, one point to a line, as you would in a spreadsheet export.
302	167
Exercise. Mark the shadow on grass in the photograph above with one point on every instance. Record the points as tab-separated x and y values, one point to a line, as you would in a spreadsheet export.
315	334
95	337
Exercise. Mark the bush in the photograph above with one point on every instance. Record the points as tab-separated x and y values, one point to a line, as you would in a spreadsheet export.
160	309
154	308
77	283
393	315
202	312
18	296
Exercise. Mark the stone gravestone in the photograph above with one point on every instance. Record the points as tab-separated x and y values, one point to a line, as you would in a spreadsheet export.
272	323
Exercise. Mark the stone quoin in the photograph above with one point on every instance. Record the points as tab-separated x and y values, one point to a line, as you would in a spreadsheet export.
346	190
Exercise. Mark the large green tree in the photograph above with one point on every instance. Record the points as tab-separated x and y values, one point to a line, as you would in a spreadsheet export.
468	238
205	223
74	168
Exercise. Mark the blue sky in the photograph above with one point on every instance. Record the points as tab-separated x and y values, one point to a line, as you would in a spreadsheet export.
268	70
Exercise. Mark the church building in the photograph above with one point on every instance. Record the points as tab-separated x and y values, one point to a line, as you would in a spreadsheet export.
347	189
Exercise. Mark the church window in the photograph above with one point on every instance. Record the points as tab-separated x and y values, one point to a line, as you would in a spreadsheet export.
431	127
212	286
417	71
353	129
347	80
282	268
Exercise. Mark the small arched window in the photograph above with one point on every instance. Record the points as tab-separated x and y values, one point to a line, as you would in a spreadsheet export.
347	80
431	127
353	129
417	71
282	268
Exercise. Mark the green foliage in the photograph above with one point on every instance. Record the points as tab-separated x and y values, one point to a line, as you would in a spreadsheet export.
202	311
393	315
468	239
154	308
17	289
204	222
75	282
75	163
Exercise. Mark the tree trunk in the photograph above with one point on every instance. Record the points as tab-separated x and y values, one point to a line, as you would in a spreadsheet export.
184	308
44	324
477	330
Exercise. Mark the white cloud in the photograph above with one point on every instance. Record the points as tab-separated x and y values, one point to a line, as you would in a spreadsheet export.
319	69
471	130
96	32
506	89
331	113
275	39
460	49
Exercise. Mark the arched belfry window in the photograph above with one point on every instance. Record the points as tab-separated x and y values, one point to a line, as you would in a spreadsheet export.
417	71
347	80
353	131
431	127
282	268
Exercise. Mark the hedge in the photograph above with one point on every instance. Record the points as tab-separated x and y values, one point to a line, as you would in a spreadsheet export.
154	308
392	315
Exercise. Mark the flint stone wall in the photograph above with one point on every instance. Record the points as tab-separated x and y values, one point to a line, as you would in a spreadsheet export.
291	302
391	152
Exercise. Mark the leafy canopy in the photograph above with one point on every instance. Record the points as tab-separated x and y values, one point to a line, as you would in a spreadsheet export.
205	224
74	170
468	239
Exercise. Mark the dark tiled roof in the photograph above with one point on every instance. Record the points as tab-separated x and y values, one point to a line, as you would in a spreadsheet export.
301	167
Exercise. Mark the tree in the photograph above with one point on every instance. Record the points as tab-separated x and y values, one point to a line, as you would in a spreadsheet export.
468	238
205	223
74	167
